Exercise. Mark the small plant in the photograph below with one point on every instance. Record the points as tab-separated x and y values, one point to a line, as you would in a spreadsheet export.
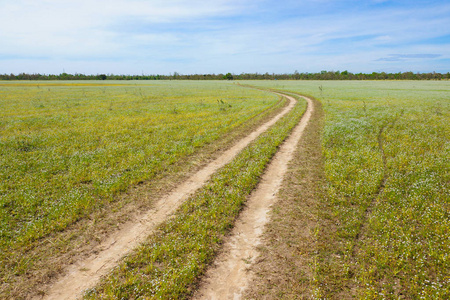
223	105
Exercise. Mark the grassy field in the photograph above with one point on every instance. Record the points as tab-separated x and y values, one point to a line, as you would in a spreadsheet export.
384	220
378	210
68	149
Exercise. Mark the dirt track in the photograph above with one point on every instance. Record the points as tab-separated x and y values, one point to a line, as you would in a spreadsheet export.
85	274
230	274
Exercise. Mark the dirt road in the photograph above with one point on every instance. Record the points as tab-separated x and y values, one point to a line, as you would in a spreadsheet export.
85	274
230	274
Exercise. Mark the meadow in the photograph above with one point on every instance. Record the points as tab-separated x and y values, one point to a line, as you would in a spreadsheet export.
384	217
380	217
67	149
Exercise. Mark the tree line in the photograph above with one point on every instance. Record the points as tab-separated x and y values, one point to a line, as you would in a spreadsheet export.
323	75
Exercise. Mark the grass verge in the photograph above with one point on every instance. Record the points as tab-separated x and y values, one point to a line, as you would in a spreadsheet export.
285	267
170	263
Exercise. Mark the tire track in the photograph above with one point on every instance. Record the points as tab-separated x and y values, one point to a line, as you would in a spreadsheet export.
87	273
230	274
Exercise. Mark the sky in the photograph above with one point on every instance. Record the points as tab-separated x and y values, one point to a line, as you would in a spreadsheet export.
218	36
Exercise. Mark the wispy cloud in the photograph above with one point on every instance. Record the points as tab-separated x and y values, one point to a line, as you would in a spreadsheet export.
402	57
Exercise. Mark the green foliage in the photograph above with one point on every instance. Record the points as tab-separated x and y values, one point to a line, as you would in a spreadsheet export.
228	76
323	75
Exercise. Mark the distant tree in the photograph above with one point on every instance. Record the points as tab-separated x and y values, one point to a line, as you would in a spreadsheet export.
228	76
323	75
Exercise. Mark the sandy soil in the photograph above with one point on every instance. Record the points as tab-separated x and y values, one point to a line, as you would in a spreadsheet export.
86	273
230	274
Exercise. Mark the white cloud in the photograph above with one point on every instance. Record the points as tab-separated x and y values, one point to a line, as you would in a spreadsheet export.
81	27
209	36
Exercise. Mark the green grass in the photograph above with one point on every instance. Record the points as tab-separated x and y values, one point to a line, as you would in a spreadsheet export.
67	149
386	147
168	265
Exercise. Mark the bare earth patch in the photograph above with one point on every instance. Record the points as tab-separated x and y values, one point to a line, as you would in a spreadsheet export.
286	265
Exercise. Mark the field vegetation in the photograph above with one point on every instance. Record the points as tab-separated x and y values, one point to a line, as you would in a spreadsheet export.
376	209
69	149
381	228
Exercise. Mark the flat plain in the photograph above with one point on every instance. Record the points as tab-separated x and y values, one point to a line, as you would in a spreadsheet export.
378	206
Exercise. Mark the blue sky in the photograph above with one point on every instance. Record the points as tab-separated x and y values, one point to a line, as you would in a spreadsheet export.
218	36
